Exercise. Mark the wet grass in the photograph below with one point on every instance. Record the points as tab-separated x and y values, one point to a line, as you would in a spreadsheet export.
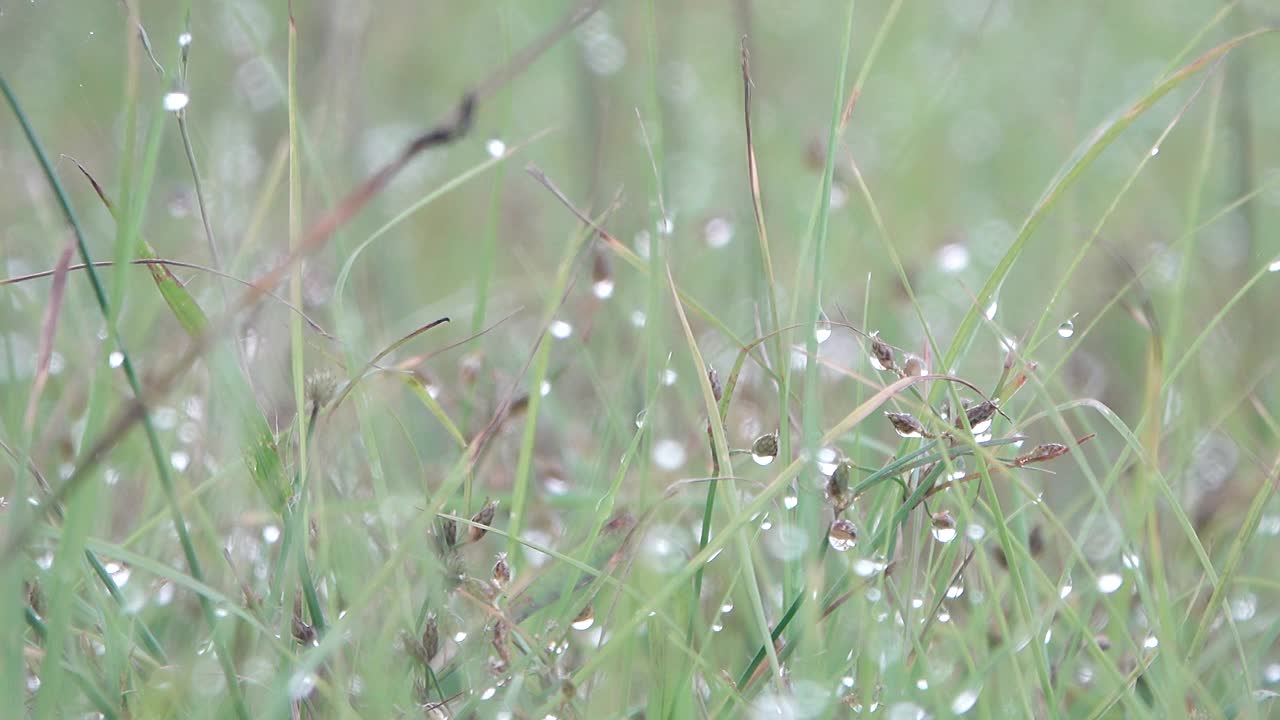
698	362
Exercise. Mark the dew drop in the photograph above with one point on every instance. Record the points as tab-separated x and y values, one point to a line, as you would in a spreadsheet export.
726	608
1065	590
180	460
822	331
459	636
790	502
990	312
175	101
488	693
560	329
954	591
602	289
301	685
717	233
585	619
828	460
1151	642
1067	328
1155	150
669	377
270	534
638	319
640	419
964	702
184	39
953	258
1274	266
544	389
761	460
1109	583
495	148
842	536
115	359
717	627
669	454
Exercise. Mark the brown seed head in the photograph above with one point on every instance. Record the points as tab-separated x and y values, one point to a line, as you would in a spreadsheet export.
881	354
484	517
765	445
501	572
1041	453
430	637
906	425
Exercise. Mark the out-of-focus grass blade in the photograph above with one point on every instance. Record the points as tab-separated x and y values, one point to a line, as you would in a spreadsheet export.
260	453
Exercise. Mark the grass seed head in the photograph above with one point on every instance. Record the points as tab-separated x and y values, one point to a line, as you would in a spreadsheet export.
765	446
501	572
484	517
906	425
881	354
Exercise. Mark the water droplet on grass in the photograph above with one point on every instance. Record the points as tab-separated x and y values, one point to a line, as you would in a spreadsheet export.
459	636
828	460
270	534
175	101
544	389
964	702
1065	590
115	359
180	460
717	233
1109	583
602	289
637	318
822	331
1151	642
560	329
790	502
953	258
184	39
585	619
669	377
301	685
990	312
640	418
726	608
669	454
1067	328
1274	266
488	693
1155	150
495	148
842	536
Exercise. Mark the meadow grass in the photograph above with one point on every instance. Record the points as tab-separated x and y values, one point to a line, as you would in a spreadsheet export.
312	408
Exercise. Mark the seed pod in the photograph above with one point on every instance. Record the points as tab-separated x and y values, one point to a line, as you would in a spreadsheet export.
979	416
449	532
943	520
585	619
501	572
430	638
838	486
302	632
843	535
320	386
483	517
914	366
881	354
1041	453
906	425
765	446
